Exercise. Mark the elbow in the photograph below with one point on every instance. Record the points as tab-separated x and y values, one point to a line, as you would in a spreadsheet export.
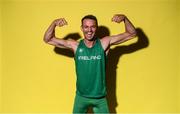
133	34
46	39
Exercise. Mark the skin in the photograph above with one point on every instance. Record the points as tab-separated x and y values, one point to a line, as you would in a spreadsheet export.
89	28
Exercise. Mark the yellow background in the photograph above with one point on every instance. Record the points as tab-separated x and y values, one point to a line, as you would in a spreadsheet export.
33	78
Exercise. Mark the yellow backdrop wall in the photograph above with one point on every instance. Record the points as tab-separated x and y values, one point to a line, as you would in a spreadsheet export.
36	78
0	56
178	56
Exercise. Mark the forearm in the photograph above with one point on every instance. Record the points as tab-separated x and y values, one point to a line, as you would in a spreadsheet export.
129	27
50	32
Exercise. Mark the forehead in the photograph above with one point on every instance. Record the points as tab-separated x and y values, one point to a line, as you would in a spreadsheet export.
89	21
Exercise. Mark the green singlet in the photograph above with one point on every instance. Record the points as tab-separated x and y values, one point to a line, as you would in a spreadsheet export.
90	70
90	86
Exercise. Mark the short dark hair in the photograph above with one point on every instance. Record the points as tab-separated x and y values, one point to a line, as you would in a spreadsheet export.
89	17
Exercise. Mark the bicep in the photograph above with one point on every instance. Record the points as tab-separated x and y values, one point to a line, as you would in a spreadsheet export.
120	38
60	43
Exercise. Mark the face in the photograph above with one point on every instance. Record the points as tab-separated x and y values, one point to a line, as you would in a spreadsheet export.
89	28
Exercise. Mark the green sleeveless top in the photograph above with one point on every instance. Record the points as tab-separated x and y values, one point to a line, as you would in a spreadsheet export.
90	70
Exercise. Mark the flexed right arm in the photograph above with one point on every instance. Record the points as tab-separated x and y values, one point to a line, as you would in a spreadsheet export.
50	38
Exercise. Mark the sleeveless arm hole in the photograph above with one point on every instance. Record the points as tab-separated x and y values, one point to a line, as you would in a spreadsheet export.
77	48
106	49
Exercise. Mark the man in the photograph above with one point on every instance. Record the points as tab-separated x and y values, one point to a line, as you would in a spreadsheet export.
90	58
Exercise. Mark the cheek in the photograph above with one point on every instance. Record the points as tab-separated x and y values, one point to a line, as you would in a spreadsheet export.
94	30
83	30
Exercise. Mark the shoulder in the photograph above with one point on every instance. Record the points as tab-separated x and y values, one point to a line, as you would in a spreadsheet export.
105	42
73	44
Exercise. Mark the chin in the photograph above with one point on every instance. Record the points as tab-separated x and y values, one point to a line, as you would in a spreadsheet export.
90	38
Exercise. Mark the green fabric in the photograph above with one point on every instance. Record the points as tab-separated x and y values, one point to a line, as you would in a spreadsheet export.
90	70
81	105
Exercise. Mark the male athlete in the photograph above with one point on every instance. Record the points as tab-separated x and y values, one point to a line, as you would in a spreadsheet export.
90	60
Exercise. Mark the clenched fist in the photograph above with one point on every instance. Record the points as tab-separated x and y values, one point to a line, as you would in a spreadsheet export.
118	18
60	22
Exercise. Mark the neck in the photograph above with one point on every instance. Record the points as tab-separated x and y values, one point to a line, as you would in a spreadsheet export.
89	43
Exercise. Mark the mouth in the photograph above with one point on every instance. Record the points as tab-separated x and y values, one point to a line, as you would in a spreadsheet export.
89	34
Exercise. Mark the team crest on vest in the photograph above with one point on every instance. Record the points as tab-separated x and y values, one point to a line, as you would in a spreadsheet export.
80	50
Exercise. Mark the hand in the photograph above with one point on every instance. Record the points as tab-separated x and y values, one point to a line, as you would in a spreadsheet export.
60	22
118	18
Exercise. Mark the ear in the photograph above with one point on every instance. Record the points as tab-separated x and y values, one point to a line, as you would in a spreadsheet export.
81	28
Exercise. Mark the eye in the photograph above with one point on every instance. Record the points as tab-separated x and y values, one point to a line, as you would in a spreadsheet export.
85	27
94	26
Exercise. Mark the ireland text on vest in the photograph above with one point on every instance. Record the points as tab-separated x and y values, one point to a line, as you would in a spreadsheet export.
89	57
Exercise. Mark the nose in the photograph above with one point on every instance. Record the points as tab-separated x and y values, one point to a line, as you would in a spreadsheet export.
89	29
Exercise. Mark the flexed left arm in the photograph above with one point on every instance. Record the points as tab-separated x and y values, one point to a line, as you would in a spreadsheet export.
130	31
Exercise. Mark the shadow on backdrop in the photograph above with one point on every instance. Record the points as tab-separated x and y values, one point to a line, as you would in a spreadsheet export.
64	51
112	62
